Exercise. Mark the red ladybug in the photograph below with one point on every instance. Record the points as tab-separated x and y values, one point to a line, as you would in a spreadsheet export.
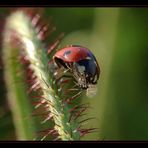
80	62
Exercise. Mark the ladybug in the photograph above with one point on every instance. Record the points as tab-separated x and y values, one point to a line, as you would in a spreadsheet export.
80	62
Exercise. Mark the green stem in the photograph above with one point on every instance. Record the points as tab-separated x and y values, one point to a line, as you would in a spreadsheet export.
16	93
103	40
19	23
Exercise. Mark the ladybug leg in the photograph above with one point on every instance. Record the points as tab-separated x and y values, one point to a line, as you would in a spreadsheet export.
76	74
79	75
69	66
59	72
66	79
94	78
62	78
69	69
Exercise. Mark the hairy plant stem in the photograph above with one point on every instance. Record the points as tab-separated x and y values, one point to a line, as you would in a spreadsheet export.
19	26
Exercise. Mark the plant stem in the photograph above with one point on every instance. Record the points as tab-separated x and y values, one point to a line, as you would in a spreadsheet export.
16	93
19	23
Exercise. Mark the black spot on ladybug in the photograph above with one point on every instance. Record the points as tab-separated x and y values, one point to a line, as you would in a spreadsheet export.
66	53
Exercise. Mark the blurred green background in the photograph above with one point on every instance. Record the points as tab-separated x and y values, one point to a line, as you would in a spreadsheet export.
118	39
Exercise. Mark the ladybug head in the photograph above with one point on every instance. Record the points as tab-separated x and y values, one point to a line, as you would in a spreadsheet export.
85	72
81	63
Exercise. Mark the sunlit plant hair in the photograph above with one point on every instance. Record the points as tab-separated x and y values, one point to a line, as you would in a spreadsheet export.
23	37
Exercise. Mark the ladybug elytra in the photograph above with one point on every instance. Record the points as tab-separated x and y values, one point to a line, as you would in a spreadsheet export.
80	62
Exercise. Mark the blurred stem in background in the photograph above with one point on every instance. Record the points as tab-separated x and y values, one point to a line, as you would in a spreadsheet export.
122	97
17	96
103	41
127	94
